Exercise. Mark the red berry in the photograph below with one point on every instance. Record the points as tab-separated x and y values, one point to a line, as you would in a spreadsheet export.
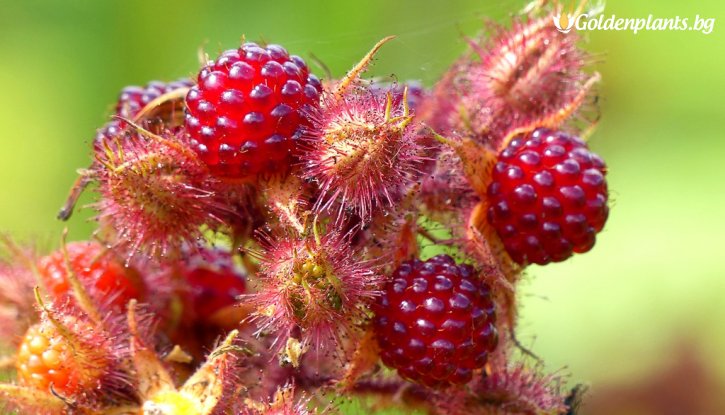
133	99
435	322
548	197
102	274
245	114
215	282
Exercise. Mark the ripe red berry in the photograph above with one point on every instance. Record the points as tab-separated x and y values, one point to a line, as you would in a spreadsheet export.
215	282
244	116
133	99
548	197
102	274
435	322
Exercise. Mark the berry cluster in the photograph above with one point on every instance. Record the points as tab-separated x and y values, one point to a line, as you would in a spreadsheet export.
263	238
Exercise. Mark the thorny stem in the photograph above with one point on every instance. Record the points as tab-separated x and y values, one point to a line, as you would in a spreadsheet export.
427	235
525	350
85	177
355	72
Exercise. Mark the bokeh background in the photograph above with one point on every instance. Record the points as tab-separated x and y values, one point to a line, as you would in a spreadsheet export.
641	319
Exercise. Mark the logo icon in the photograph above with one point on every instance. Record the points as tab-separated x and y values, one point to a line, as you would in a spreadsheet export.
564	22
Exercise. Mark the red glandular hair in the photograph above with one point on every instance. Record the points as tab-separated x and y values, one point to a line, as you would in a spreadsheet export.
363	150
314	284
155	194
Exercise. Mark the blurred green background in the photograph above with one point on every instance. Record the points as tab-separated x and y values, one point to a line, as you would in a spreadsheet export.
641	318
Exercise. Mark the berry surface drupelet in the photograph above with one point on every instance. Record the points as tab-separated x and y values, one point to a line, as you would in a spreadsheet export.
435	322
548	197
246	113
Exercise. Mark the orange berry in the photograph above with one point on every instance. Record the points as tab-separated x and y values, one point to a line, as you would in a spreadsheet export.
45	359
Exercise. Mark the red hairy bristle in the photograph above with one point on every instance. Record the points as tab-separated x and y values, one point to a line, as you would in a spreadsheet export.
155	194
70	354
316	285
523	74
363	150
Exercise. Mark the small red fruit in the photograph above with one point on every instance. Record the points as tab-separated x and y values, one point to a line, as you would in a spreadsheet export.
244	115
215	282
435	322
105	277
548	197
